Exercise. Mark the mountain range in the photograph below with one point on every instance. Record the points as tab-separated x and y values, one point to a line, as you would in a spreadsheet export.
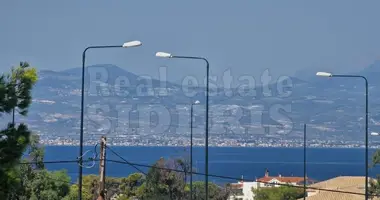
333	107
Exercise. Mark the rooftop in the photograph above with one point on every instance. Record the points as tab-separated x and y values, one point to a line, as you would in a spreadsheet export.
353	184
283	179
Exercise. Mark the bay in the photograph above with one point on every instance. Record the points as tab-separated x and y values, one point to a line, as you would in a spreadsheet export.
236	162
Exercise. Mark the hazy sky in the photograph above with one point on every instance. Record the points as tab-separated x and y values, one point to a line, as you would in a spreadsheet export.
244	36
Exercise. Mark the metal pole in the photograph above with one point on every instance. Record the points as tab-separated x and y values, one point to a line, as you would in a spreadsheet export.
191	151
366	127
304	161
207	111
81	127
82	115
366	138
206	165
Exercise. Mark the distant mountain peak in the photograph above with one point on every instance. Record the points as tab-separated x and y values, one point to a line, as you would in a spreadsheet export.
106	66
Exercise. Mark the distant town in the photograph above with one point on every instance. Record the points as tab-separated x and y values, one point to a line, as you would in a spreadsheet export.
185	142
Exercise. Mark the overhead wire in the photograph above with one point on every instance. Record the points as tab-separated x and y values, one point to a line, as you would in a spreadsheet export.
136	165
126	161
50	162
232	178
93	158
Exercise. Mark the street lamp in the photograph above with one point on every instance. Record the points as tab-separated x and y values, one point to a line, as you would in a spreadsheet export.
191	148
169	55
125	45
326	74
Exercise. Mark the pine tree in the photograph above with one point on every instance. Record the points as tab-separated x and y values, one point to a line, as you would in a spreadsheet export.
15	95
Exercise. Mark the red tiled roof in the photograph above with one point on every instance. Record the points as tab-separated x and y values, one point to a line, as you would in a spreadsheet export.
283	179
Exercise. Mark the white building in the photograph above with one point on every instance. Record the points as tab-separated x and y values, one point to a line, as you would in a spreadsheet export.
243	190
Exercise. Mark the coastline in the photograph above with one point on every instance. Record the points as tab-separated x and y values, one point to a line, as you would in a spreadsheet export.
247	147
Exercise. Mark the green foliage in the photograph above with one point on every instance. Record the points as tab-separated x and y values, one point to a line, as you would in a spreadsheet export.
47	185
278	193
73	195
129	186
11	149
162	183
215	192
15	94
165	184
36	152
16	87
124	187
374	187
32	181
376	158
27	181
15	141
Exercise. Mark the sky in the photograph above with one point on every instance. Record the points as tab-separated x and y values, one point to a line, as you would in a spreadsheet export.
245	37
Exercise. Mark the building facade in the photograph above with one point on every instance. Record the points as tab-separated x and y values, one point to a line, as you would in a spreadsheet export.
243	190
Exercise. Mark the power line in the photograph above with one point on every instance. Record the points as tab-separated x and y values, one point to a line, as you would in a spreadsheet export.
50	162
127	162
180	171
216	176
134	165
233	178
57	161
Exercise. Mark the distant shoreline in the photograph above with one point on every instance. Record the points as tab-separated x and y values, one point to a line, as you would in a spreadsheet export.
308	147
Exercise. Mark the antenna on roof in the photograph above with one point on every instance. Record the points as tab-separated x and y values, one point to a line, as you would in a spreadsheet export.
266	172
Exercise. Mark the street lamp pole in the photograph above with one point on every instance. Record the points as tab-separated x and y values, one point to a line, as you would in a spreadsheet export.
80	157
191	152
304	162
191	148
168	55
325	74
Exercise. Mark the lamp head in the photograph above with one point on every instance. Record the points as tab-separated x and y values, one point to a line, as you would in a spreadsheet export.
135	43
325	74
163	55
196	102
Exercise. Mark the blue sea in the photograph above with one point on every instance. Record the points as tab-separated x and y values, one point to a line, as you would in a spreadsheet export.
249	163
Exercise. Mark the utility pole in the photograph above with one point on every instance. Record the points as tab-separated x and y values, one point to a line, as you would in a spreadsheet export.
102	169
